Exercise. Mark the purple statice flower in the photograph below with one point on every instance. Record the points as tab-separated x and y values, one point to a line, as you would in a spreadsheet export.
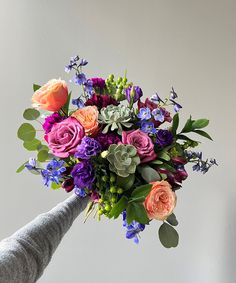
156	98
83	174
133	229
133	93
31	164
53	172
88	148
164	138
159	114
80	192
78	102
177	106
80	79
101	101
144	114
106	140
51	120
98	83
173	94
148	127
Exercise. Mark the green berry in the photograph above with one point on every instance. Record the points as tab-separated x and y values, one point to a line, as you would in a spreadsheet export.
119	80
113	189
108	207
104	178
100	212
120	191
112	178
111	77
113	199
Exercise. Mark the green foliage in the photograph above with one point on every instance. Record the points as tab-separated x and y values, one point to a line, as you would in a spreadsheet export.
168	236
202	133
157	162
149	174
55	186
26	132
65	108
42	147
139	194
164	155
119	207
36	87
199	124
21	168
175	124
172	220
31	114
136	211
188	126
42	155
125	182
32	145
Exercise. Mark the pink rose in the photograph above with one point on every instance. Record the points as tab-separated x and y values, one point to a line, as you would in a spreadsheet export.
64	137
161	201
142	142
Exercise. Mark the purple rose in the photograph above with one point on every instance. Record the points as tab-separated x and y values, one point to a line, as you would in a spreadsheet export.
64	137
89	147
101	100
51	120
83	174
106	140
163	138
142	142
133	93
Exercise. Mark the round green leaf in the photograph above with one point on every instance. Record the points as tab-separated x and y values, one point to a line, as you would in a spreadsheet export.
168	236
172	220
26	132
31	114
42	155
31	145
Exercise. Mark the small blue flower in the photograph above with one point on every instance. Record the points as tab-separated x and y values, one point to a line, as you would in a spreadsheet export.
177	106
53	172
158	114
144	114
148	127
83	62
173	94
79	79
31	165
156	98
78	102
80	192
88	85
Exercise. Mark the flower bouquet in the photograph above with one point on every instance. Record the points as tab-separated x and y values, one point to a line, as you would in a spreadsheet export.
125	153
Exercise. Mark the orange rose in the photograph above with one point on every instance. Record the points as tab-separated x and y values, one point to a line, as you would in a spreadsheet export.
161	201
88	118
51	96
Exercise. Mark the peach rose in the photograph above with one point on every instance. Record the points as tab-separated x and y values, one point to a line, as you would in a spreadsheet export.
161	201
51	96
88	118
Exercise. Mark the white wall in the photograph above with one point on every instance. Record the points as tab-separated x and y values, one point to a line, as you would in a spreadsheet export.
188	44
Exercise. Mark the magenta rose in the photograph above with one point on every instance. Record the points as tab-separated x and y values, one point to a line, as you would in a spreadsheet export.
142	142
64	137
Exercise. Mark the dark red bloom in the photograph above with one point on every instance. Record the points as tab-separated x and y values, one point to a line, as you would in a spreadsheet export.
106	140
98	82
101	101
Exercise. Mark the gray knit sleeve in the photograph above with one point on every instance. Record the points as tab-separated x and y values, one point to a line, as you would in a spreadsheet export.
25	254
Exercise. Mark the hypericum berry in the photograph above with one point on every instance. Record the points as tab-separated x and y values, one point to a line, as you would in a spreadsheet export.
120	191
104	178
108	207
100	212
113	199
113	189
112	178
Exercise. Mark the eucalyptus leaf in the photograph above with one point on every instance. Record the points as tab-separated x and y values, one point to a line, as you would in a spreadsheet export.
171	219
148	173
26	132
32	145
156	162
31	114
168	236
42	155
36	87
119	207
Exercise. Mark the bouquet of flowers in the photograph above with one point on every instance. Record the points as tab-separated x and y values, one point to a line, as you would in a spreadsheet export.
125	153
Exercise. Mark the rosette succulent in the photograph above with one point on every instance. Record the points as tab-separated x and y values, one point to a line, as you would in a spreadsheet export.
123	159
115	117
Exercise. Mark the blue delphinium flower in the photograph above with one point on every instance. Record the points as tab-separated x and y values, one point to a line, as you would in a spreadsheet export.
88	87
80	192
177	106
83	62
53	172
144	114
156	98
73	63
31	165
158	114
173	94
79	79
78	102
133	229
148	127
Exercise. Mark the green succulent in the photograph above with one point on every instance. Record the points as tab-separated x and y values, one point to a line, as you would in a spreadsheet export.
115	117
123	159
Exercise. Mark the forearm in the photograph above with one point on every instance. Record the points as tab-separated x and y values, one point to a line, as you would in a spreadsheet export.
24	255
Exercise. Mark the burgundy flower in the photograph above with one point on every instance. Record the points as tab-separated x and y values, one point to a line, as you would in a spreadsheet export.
68	185
98	82
101	101
51	120
106	140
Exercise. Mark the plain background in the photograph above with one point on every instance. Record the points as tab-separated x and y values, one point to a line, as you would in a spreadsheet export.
188	44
